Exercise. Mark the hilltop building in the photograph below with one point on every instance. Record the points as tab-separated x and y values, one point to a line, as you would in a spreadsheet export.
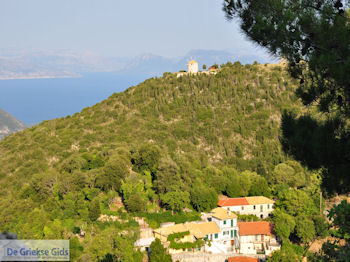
192	67
260	206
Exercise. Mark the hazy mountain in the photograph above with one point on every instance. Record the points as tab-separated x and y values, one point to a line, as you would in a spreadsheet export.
22	63
155	65
9	124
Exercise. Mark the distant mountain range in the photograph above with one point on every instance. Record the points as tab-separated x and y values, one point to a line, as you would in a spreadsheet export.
9	124
26	64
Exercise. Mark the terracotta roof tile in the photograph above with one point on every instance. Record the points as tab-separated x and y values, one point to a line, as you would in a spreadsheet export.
201	230
242	201
171	229
255	228
222	213
257	200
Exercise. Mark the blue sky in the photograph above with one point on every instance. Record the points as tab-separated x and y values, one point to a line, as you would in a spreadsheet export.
119	28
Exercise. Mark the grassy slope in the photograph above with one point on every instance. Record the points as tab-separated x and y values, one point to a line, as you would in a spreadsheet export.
229	119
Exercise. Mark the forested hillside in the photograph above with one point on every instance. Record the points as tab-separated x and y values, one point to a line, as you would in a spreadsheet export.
9	124
168	142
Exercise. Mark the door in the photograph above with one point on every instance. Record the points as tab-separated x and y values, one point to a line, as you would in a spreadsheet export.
232	243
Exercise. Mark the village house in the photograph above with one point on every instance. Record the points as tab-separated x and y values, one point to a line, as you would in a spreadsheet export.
227	239
260	206
242	259
192	231
219	230
257	238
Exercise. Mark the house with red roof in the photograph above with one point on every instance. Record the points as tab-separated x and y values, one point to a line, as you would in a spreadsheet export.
257	238
260	206
242	259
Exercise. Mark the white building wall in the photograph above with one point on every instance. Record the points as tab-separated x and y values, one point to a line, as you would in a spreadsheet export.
225	236
260	210
192	67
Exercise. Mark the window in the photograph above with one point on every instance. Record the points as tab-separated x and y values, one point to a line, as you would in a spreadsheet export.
242	208
216	235
261	208
254	207
224	222
261	216
268	206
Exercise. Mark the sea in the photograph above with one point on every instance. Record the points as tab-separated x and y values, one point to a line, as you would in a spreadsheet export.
35	100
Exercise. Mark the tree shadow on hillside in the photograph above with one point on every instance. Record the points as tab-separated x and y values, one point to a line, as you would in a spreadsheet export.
319	145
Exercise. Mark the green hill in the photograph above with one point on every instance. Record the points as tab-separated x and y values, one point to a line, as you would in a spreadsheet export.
164	142
9	124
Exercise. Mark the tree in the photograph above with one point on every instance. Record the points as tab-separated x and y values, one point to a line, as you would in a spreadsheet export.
204	67
314	32
115	170
147	158
203	198
135	203
259	187
313	38
175	200
158	252
95	210
286	254
290	173
284	224
167	177
305	229
321	226
333	251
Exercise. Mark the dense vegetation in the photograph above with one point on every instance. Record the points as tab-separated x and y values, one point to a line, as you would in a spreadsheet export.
313	38
170	143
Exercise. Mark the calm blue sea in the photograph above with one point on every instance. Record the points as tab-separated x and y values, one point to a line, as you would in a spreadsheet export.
35	100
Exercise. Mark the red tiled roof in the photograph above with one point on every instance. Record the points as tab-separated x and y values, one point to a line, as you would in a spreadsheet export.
255	228
233	202
243	259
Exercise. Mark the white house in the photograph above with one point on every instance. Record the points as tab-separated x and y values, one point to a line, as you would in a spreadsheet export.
192	67
257	238
260	206
228	237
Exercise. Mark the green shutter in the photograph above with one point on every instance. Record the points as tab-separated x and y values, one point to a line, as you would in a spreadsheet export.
231	222
224	222
216	235
235	233
231	233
